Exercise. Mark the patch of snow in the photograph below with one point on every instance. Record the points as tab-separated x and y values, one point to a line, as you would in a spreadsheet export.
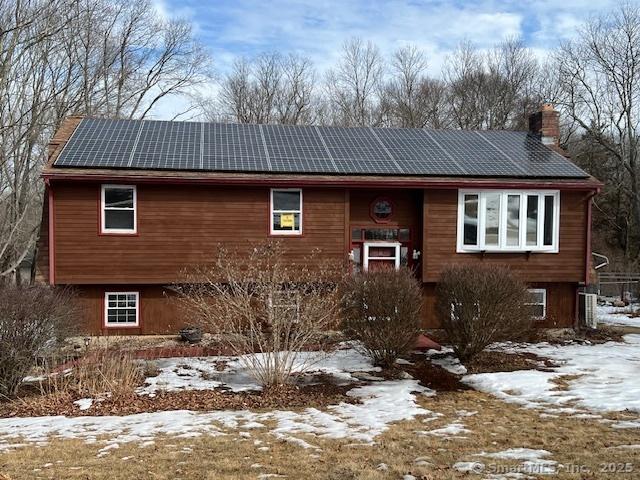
383	467
453	430
381	404
517	454
468	467
201	373
408	477
617	316
450	363
606	380
84	403
626	424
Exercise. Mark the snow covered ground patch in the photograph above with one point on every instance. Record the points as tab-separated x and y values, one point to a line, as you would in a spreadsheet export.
380	404
618	316
205	373
602	377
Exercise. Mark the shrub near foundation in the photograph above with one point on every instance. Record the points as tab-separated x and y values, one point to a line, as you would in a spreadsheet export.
381	310
478	305
33	321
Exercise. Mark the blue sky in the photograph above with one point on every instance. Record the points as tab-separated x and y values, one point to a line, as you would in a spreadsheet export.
317	28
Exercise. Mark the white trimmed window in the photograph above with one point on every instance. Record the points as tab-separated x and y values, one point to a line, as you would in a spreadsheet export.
538	302
286	211
121	309
118	209
508	221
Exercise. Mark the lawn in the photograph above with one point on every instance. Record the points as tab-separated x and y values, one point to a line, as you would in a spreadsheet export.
545	419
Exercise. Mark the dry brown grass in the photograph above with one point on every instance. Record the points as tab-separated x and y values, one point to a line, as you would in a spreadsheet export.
496	426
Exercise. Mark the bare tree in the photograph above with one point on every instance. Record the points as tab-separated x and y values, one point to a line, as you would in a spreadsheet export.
270	89
493	91
354	86
411	98
599	76
98	57
267	310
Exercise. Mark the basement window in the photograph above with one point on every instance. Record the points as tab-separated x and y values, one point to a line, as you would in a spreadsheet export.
286	211
538	302
508	221
121	309
118	209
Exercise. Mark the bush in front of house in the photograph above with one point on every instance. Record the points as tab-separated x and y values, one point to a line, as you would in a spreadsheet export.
381	310
481	304
33	320
267	308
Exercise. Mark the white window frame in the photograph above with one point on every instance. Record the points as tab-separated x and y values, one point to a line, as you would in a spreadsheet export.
543	291
103	208
502	240
272	212
106	310
366	257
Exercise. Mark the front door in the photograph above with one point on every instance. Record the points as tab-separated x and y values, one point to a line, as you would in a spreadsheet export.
373	247
381	255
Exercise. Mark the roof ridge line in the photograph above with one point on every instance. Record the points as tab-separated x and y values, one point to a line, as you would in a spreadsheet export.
324	144
384	147
522	170
455	162
264	145
135	144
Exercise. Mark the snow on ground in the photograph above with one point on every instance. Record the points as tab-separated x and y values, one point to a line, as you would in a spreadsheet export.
381	404
532	462
203	373
618	316
446	359
606	377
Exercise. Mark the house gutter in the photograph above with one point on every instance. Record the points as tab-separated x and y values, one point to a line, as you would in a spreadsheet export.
587	262
326	182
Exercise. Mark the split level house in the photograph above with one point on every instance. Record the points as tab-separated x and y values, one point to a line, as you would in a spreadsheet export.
130	204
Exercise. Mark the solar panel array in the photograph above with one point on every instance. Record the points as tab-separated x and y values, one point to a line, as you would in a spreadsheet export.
162	145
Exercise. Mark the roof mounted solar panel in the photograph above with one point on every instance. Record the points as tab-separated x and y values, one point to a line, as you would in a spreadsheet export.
100	143
163	145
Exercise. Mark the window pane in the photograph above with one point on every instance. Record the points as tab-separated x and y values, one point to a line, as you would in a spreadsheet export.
286	200
382	209
404	235
118	197
538	311
492	219
404	256
118	219
513	220
548	220
286	222
532	220
356	234
470	234
381	234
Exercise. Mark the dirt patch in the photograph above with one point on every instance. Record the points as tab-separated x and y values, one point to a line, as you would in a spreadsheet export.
491	362
283	397
434	376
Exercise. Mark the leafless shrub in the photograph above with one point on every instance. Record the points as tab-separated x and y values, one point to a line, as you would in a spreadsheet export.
381	309
267	309
479	305
32	322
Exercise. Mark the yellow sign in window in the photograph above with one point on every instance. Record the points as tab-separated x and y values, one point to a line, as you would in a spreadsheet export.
287	220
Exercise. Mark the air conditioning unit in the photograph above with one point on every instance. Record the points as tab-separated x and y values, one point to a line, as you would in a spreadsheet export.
587	303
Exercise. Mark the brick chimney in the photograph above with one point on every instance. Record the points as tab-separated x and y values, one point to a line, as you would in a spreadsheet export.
545	124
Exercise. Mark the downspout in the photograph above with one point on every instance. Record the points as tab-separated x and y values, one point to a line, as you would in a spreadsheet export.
52	236
587	259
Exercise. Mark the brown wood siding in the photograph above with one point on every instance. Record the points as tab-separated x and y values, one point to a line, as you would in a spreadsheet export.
159	313
179	227
561	305
440	240
407	207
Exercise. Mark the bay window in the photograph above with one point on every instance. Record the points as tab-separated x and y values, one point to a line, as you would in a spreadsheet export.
508	221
